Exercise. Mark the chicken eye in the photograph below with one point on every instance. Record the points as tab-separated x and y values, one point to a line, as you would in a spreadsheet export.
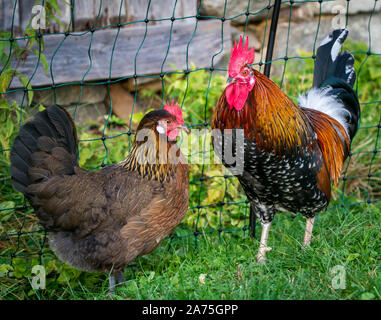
245	73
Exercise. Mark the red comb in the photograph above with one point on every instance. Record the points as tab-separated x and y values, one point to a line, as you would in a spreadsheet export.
240	56
175	110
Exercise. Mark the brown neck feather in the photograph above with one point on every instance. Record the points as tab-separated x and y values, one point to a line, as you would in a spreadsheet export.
154	159
269	117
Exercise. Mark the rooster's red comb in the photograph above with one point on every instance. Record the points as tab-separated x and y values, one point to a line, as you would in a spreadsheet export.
240	56
175	110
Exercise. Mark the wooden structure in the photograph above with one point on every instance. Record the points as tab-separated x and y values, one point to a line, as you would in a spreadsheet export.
69	57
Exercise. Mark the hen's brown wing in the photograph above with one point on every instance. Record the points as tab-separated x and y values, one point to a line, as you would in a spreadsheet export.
92	200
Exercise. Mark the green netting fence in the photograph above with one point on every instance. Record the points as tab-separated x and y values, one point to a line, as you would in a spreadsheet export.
23	238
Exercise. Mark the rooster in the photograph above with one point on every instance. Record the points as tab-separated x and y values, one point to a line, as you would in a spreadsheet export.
291	153
102	220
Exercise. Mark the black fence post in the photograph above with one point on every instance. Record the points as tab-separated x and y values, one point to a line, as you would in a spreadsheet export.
270	44
252	222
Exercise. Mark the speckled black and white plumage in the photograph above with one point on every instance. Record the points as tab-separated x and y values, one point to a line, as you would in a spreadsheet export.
282	184
274	184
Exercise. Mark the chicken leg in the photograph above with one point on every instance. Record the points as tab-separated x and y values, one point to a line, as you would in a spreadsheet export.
308	232
263	248
114	280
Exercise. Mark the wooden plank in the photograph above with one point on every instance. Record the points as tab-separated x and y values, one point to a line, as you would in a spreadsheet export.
110	12
23	14
71	61
26	8
137	9
65	17
86	12
6	14
188	8
26	13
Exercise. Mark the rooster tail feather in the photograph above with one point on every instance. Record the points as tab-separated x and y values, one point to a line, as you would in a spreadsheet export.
330	63
334	77
45	146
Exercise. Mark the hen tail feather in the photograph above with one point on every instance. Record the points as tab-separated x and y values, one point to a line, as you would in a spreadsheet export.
45	146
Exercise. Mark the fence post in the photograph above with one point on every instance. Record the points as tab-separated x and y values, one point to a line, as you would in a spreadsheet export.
252	222
270	44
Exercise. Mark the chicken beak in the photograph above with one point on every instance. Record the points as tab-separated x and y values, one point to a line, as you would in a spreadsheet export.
184	127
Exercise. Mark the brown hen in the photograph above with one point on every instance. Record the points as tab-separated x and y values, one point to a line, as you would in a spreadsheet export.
102	220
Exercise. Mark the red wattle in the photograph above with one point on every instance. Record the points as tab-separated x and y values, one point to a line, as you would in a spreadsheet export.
236	95
172	135
230	95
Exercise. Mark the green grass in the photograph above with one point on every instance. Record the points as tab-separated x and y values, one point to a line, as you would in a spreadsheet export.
350	238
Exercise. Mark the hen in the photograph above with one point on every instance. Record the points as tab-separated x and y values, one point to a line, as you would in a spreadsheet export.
291	154
102	220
